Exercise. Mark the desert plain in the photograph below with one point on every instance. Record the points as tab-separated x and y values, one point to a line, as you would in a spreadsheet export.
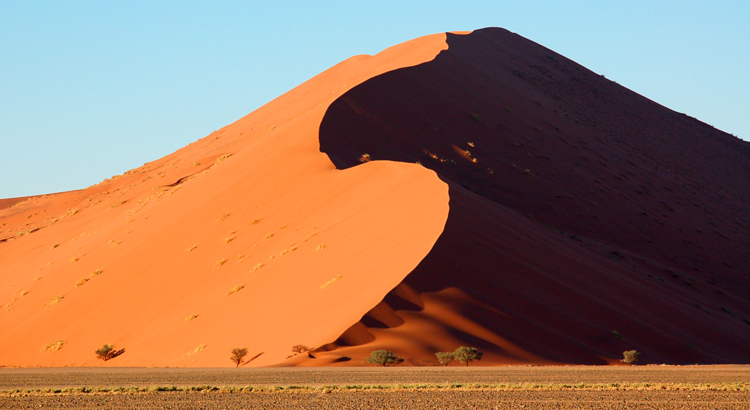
557	387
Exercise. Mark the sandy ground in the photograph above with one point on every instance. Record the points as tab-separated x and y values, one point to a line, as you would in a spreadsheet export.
691	381
396	400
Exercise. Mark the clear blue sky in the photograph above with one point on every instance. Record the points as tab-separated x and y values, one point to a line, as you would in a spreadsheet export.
90	89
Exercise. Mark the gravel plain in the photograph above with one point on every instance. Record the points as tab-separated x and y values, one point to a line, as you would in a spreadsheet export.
638	387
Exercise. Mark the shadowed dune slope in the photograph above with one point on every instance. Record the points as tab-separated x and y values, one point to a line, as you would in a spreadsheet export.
577	208
249	237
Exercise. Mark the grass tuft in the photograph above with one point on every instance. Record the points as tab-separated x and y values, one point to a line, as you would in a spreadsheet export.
235	289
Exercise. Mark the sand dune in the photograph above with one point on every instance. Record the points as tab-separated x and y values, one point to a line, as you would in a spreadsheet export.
578	208
458	189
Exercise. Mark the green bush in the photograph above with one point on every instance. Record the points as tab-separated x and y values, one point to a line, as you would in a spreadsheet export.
108	352
383	357
444	357
630	356
467	354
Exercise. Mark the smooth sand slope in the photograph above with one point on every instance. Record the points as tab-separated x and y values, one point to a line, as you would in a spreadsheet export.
473	189
251	230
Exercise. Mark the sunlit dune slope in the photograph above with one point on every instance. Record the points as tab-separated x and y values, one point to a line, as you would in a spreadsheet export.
585	219
249	237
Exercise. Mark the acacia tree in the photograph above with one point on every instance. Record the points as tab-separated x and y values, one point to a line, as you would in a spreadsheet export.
630	356
237	355
383	357
296	349
467	354
444	357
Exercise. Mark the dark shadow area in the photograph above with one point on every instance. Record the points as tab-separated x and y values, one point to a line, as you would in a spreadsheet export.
552	169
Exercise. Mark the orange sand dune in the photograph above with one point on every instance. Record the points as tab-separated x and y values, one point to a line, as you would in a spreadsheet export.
458	189
252	230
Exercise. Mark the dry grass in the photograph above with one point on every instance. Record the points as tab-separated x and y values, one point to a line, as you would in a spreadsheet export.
319	248
54	346
54	301
82	282
334	279
188	250
426	387
269	236
223	217
196	350
235	289
258	266
191	317
221	262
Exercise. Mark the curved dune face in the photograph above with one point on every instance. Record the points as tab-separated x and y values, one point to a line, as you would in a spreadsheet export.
585	220
249	237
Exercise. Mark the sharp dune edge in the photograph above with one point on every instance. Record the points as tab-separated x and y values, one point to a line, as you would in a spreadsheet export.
513	201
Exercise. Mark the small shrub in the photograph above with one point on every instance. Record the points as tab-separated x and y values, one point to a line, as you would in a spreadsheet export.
630	356
616	334
383	357
108	352
444	357
237	355
467	354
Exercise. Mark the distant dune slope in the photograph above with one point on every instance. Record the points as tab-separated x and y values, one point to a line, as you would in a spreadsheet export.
584	220
249	237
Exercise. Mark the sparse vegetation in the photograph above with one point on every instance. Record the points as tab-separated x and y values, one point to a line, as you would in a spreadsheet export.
191	317
223	217
630	356
383	357
54	346
467	354
235	289
444	357
335	278
616	334
108	352
296	349
54	301
238	354
196	350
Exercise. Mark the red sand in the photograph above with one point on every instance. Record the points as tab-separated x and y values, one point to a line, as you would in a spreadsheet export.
579	208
